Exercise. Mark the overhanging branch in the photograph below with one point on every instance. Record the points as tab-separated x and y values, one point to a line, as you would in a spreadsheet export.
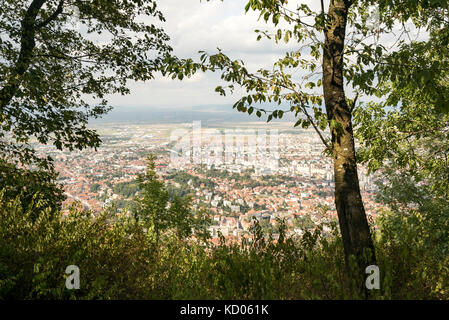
52	17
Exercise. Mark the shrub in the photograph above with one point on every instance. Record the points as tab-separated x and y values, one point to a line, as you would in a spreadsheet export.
118	259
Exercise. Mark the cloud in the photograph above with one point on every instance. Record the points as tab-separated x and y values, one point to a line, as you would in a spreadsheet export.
195	25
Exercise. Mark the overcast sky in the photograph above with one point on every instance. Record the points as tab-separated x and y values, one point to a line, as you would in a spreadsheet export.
194	26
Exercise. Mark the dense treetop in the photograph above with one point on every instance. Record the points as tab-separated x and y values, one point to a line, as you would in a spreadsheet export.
60	59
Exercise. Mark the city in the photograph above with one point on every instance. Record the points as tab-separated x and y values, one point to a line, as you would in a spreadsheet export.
295	183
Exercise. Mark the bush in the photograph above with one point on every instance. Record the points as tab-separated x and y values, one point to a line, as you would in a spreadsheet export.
25	183
112	254
118	259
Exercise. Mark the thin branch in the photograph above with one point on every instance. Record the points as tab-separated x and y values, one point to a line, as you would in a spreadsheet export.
354	101
52	17
328	147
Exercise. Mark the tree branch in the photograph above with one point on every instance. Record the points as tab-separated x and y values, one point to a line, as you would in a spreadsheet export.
53	16
354	102
328	147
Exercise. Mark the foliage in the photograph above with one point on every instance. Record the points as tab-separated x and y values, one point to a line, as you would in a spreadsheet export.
161	211
409	148
35	252
126	189
118	260
183	179
405	137
420	207
27	183
415	257
59	60
412	139
94	187
417	70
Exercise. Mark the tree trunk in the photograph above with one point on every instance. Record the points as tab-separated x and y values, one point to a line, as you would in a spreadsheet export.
29	27
351	213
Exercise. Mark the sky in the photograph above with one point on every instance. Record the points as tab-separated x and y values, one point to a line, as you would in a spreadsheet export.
195	25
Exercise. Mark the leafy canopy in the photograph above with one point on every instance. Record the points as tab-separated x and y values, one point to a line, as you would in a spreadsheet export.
59	59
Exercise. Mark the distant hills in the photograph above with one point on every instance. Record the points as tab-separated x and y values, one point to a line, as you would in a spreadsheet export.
207	114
